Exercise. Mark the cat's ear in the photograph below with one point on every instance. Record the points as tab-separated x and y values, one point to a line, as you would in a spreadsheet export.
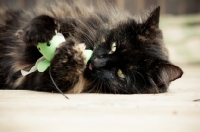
165	73
153	19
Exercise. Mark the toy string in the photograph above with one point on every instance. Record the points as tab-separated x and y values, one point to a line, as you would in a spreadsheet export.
55	84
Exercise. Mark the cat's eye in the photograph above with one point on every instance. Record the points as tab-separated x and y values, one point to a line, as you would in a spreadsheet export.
113	47
120	73
48	44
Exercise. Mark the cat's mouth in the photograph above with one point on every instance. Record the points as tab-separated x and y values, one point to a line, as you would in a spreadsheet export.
92	67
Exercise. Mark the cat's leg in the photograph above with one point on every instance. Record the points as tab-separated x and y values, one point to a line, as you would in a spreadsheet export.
66	67
68	64
39	29
43	28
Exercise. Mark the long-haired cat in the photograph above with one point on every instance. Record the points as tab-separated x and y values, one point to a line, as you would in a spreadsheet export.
128	57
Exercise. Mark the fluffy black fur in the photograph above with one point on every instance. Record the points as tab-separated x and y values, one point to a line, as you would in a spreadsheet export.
129	55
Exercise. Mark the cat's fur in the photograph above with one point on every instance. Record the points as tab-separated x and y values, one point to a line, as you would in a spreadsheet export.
140	53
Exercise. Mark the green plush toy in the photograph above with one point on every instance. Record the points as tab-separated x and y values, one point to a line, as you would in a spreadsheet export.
48	51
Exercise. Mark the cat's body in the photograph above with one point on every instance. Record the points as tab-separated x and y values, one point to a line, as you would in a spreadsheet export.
128	53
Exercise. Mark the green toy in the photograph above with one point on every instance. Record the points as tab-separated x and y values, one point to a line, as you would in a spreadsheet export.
88	54
48	51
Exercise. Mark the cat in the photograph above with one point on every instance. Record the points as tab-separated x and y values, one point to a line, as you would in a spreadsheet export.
129	55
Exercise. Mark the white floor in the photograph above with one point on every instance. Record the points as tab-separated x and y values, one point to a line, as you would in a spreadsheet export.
174	111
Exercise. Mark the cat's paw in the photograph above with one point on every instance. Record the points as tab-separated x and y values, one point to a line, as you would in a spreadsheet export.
81	48
40	29
69	59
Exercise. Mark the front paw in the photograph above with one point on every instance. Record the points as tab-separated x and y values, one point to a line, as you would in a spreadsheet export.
69	59
40	29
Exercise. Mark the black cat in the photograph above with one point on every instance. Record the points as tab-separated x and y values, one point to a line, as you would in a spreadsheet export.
129	55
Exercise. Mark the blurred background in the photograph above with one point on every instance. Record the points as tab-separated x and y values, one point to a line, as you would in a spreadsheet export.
180	22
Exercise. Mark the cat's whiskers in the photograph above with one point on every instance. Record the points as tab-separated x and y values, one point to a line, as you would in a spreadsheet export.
122	89
133	80
153	84
159	78
93	84
142	77
99	87
100	81
107	85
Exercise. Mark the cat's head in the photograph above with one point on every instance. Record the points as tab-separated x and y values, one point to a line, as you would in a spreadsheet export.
131	58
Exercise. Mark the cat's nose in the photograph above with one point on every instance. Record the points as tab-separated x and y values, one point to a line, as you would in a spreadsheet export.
99	62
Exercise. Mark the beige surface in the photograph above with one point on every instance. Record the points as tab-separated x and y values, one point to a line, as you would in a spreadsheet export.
175	111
